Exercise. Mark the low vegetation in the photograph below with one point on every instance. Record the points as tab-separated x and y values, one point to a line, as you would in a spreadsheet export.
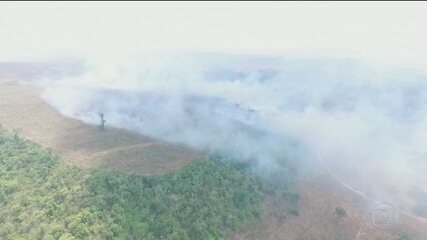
405	237
341	212
42	197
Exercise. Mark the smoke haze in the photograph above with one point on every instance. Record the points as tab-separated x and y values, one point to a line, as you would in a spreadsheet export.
298	80
368	122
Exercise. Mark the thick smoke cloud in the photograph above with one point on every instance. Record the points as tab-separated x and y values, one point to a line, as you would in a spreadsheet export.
367	122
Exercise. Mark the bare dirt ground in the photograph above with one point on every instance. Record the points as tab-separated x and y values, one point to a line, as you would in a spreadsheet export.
22	108
318	218
320	197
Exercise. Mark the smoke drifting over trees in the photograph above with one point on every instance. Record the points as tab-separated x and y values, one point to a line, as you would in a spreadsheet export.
367	121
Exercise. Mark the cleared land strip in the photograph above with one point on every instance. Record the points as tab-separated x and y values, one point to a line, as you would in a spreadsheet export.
21	107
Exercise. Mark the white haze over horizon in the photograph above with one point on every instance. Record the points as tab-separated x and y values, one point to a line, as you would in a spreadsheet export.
329	76
391	32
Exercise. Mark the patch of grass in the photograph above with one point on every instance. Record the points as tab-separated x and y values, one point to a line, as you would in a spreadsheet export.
405	237
294	212
340	212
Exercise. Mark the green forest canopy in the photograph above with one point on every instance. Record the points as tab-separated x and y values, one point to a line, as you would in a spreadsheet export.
42	197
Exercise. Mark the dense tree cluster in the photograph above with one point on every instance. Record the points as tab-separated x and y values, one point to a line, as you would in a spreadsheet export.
42	197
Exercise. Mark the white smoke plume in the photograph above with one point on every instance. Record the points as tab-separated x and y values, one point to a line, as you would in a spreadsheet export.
368	122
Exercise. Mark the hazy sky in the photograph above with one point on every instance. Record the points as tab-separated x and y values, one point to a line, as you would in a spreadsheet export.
376	30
